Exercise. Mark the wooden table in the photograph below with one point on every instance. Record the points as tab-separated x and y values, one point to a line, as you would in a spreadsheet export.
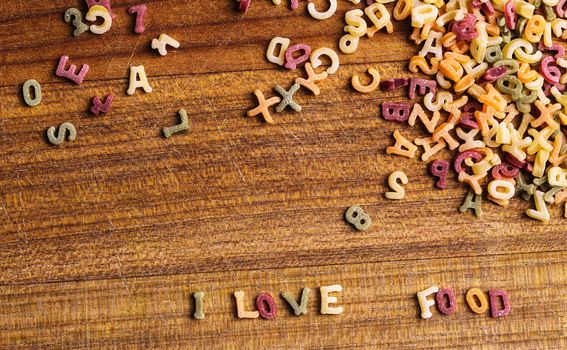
104	239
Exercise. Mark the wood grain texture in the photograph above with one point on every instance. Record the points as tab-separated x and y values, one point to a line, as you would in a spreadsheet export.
103	239
381	310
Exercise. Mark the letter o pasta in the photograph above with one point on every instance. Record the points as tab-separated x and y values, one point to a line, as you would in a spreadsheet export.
501	189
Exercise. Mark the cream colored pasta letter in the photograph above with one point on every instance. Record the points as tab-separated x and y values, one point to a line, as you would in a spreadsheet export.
135	72
99	11
425	303
322	15
326	299
325	51
239	296
270	52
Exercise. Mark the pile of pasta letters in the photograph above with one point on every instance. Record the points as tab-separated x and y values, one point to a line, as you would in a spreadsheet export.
494	96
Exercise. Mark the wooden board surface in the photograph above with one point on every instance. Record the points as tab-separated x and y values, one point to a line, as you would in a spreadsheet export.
103	239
